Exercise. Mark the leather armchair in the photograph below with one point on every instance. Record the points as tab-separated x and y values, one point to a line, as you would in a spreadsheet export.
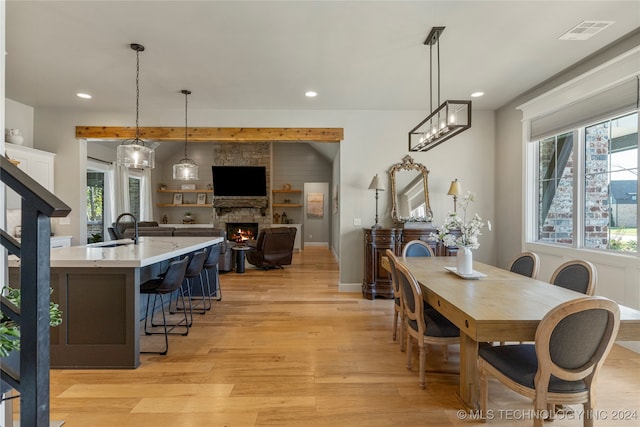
274	247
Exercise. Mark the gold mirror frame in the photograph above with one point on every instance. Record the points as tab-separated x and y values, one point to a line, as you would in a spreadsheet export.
408	164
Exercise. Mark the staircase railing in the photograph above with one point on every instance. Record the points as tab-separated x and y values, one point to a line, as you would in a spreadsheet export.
31	376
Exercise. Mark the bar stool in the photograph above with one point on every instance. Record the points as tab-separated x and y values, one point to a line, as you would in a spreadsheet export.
211	264
167	284
194	269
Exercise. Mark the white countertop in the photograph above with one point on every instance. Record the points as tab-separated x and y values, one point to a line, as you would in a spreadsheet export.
149	250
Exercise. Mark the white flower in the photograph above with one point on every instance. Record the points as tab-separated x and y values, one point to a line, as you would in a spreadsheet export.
469	231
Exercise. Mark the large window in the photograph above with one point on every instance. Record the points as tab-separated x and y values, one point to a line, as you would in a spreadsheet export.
607	216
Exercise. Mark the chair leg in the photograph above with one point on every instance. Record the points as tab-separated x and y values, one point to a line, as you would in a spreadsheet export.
403	334
395	323
423	362
409	351
164	324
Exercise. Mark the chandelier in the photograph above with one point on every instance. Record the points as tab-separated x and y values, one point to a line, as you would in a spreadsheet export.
134	153
186	169
446	121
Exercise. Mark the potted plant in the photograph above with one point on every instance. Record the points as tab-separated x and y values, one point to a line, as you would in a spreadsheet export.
10	331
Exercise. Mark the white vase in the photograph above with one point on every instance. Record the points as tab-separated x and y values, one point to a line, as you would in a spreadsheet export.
464	260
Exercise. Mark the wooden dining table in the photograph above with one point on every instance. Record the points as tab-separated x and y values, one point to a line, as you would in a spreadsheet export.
502	306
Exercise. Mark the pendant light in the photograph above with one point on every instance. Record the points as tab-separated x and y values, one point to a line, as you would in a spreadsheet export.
134	153
449	119
186	169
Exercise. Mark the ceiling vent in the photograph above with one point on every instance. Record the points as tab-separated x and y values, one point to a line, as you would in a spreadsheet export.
585	30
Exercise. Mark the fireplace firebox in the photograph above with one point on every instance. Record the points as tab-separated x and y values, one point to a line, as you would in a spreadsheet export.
241	231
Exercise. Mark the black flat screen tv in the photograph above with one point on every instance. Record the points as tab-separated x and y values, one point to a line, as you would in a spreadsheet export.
239	181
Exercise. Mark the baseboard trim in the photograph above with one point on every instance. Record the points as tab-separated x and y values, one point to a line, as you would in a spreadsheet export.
350	287
321	244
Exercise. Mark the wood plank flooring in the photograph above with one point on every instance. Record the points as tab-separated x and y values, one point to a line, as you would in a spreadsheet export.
285	348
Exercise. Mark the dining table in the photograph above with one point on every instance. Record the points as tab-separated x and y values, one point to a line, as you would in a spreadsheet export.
494	305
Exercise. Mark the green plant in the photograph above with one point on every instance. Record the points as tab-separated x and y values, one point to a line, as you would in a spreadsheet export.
10	331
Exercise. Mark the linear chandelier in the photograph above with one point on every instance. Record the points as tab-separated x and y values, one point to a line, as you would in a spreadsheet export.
134	153
449	119
186	169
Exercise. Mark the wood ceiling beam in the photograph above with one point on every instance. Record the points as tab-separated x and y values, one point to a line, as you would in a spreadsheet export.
213	134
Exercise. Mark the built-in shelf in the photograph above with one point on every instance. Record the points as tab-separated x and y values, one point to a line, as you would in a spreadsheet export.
183	205
185	191
286	205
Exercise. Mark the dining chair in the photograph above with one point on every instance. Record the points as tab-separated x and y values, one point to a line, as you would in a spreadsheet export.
425	325
168	283
398	306
571	344
577	275
526	264
417	248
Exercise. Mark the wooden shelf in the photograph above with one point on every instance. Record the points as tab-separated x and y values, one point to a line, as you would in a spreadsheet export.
186	191
286	191
184	205
286	205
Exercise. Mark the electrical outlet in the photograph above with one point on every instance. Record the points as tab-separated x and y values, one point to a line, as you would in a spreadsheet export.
357	221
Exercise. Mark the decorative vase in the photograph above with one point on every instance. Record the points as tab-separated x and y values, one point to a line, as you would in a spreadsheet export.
13	136
464	260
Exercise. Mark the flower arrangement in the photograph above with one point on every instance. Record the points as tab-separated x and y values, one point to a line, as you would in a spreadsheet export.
469	230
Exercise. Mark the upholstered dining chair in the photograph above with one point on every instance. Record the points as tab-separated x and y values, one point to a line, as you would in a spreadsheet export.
398	306
422	324
571	344
417	248
577	275
526	264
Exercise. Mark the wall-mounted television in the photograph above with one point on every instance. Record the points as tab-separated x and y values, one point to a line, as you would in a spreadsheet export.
239	181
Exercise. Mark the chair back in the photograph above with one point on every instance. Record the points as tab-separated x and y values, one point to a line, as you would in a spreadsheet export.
526	264
274	247
213	255
577	275
174	275
196	263
411	298
397	291
574	338
417	248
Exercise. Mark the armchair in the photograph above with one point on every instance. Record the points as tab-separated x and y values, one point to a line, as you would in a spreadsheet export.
274	247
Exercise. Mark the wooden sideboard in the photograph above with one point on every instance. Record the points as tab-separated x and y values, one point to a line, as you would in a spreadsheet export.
377	281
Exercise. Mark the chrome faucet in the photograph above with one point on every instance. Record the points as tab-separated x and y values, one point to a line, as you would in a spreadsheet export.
135	226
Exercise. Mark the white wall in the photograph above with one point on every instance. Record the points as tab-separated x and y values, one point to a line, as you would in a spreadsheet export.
19	116
373	141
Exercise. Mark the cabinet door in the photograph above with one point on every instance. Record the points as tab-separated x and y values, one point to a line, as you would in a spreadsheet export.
35	163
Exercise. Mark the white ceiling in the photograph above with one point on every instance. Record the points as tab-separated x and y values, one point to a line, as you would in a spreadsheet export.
266	54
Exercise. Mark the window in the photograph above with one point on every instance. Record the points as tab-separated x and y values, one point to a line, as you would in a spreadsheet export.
611	184
134	195
607	217
555	189
95	206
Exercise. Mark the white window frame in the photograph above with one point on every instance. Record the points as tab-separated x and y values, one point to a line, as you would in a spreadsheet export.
599	79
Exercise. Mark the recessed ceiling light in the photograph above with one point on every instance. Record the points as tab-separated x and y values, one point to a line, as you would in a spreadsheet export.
310	94
84	95
477	94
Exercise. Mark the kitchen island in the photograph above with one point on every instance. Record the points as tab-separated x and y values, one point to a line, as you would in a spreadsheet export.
98	289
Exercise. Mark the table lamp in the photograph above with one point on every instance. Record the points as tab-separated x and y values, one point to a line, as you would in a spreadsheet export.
377	185
454	190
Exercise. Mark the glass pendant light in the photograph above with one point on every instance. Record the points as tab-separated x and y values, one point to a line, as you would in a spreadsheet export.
134	153
186	169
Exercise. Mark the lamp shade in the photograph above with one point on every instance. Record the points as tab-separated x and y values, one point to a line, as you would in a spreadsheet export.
134	155
185	170
376	184
455	188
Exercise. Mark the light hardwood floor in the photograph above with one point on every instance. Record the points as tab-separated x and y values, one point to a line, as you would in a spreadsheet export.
285	348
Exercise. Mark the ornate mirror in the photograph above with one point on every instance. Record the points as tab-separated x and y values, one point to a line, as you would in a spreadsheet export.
409	191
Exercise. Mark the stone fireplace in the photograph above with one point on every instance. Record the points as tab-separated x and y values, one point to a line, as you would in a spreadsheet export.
242	231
